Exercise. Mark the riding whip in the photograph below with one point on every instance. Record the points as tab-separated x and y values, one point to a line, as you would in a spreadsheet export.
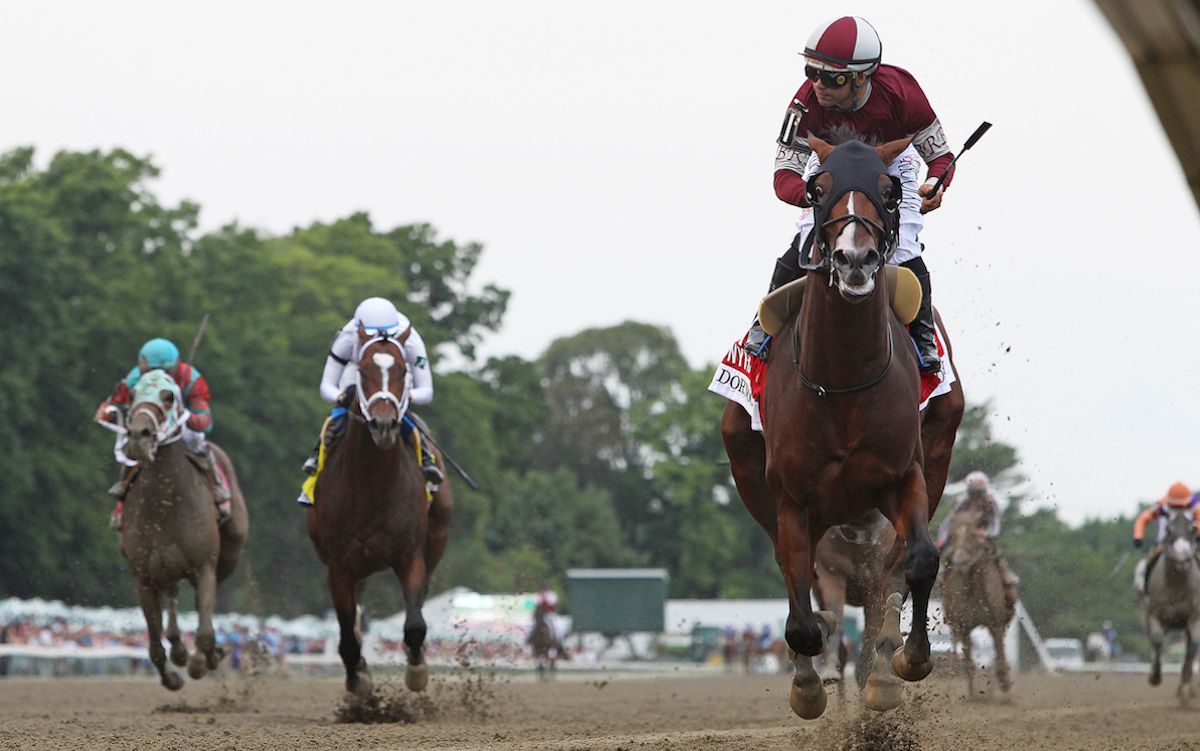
425	436
970	142
199	336
1120	563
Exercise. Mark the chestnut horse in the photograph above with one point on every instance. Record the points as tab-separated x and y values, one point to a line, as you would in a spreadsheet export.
850	558
973	594
371	511
170	532
843	434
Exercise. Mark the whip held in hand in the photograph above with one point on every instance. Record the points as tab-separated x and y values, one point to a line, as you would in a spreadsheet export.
970	142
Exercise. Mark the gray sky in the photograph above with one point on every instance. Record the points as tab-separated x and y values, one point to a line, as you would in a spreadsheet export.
616	159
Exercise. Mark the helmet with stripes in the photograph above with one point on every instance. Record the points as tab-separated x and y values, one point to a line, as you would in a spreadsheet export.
847	43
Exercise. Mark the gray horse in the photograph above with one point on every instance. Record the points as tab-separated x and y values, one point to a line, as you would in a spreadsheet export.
170	531
1171	599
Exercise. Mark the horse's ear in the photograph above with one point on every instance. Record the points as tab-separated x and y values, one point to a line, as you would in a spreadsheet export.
404	337
363	336
823	148
890	150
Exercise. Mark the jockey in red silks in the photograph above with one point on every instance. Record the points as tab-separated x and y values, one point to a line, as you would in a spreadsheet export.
339	382
849	93
547	599
161	354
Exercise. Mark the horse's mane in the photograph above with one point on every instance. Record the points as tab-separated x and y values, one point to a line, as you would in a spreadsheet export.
844	133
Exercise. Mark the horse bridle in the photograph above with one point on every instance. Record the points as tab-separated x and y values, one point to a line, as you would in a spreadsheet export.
881	235
365	402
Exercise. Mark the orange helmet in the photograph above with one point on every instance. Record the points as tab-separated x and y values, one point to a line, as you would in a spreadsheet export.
1178	495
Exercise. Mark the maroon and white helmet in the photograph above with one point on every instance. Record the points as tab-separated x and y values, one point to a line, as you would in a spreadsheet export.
847	43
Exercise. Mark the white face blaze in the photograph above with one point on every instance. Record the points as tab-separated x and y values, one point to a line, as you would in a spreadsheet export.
385	363
846	241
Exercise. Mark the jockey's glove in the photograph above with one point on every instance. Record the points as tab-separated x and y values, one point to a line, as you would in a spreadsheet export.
1137	543
346	398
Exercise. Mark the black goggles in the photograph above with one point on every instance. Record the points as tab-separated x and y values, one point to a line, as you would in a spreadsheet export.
831	78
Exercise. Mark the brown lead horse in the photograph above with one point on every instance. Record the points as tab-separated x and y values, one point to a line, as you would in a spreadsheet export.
371	510
843	435
170	532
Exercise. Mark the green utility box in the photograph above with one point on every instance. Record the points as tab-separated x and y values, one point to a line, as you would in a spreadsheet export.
614	601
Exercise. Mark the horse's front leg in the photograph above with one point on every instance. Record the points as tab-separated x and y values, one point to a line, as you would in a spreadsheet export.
1157	635
413	583
206	656
151	602
179	653
1185	691
920	571
968	662
345	604
806	632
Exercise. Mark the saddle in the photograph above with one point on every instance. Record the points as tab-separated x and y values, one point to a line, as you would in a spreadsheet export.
778	307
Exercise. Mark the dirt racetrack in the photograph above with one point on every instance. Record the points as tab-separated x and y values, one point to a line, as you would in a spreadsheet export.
589	712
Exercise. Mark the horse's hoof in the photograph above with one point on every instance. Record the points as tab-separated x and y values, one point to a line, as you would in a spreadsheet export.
416	677
197	666
808	699
910	671
172	681
827	620
179	655
360	686
883	690
1155	678
215	657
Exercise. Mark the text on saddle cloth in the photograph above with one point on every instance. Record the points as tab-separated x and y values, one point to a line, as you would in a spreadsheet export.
740	378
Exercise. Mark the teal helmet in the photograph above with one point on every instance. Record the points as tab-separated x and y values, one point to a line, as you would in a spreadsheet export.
159	353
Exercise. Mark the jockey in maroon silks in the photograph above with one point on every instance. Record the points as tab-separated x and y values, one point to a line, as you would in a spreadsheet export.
163	355
849	93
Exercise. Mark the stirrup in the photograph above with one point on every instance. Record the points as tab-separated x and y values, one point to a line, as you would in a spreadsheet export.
312	463
303	499
758	342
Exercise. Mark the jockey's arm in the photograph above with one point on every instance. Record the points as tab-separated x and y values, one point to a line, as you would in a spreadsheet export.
200	419
340	351
119	398
790	169
993	528
418	364
1143	519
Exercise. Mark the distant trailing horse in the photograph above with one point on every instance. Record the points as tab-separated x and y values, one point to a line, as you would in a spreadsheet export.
371	511
973	594
1171	600
170	531
544	641
842	432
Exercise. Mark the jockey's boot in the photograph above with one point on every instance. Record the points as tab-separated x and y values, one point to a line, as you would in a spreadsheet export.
758	343
313	460
114	521
429	468
922	329
221	495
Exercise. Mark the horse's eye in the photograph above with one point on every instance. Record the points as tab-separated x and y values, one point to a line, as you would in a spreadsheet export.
167	397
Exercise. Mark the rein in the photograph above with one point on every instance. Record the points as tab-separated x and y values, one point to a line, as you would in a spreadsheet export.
821	390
